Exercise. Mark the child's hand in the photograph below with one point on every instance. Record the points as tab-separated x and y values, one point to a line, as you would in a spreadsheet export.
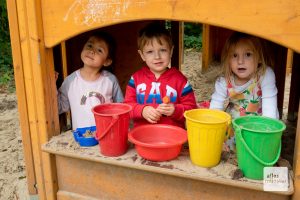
56	75
166	109
151	114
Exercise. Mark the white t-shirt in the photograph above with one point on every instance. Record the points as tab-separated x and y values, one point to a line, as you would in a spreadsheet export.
269	93
80	96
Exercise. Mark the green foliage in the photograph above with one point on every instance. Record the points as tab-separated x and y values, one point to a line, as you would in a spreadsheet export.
6	67
193	42
192	36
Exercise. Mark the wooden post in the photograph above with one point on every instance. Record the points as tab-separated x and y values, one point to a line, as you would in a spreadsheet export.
207	53
38	95
65	120
294	89
289	61
21	95
296	167
279	54
177	34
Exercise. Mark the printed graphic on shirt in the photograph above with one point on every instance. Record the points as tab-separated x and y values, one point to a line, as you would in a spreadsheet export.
247	102
99	96
155	95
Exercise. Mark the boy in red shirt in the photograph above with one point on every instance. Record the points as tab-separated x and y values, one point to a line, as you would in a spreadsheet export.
148	86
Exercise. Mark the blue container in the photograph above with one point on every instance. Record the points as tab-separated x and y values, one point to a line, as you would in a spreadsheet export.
85	141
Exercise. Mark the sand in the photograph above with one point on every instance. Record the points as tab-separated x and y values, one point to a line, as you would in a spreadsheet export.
13	183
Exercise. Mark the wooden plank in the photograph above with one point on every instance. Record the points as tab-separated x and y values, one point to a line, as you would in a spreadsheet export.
46	101
289	62
207	53
269	19
66	195
296	165
21	95
64	59
65	120
105	181
177	36
29	85
279	58
294	89
41	108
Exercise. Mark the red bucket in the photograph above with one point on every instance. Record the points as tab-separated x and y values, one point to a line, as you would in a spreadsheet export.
112	123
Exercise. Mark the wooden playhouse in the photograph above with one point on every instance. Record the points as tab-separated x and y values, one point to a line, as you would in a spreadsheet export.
48	36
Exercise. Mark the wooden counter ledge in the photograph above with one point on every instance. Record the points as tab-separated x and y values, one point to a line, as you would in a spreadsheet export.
72	160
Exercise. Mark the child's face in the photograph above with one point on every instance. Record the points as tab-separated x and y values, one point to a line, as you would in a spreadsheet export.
95	53
243	62
157	56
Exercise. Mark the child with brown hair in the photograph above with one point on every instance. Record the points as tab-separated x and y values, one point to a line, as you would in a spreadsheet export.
91	84
157	81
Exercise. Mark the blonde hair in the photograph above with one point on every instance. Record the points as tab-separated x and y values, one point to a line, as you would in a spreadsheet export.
231	44
152	31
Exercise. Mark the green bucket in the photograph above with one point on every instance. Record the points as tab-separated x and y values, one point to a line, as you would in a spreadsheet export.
258	143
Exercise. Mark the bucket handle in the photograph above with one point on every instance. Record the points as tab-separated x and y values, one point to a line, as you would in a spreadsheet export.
115	118
239	134
229	128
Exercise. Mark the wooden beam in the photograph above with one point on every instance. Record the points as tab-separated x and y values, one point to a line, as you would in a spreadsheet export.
40	90
64	59
177	35
289	62
296	165
294	89
207	47
65	120
21	95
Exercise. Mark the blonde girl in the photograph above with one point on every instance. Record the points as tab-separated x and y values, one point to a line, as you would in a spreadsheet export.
247	85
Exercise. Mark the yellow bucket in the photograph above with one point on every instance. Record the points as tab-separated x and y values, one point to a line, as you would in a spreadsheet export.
206	130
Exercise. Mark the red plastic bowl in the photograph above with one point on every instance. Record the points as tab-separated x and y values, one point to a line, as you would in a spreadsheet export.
158	142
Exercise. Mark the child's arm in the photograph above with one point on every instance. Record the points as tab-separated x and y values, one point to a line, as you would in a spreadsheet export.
117	92
219	96
130	98
139	111
62	99
62	95
269	95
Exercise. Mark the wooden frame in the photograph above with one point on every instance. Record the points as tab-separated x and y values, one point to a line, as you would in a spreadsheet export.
36	26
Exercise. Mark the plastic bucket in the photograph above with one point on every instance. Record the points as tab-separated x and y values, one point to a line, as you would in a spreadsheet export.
258	143
112	122
206	130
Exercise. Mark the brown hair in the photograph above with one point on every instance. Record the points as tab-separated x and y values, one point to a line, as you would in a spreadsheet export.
230	45
153	30
111	45
109	40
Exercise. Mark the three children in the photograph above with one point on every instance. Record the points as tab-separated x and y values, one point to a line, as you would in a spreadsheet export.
247	83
